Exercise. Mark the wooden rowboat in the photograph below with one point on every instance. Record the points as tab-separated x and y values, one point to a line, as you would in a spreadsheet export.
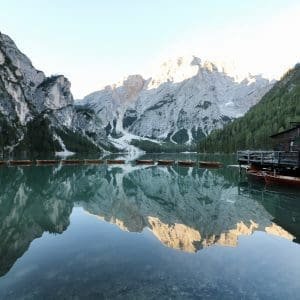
256	175
115	161
20	162
186	163
46	161
2	162
144	162
93	161
282	180
165	162
210	164
72	161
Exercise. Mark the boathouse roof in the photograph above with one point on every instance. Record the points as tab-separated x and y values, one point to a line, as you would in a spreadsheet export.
295	126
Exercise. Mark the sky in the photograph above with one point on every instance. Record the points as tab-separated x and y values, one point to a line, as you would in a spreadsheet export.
99	42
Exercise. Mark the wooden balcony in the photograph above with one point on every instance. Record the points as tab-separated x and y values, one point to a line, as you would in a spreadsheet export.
269	158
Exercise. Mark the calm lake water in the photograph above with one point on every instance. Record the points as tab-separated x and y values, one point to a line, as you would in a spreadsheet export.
146	232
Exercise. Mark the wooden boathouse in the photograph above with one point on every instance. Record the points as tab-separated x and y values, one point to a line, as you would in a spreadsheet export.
288	140
284	157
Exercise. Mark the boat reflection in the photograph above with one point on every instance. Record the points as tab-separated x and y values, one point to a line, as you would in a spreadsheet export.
185	208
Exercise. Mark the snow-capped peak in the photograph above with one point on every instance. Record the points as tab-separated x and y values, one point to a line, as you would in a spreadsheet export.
184	67
184	100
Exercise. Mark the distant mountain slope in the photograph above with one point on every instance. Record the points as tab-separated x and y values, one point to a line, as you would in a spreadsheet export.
279	107
181	104
37	113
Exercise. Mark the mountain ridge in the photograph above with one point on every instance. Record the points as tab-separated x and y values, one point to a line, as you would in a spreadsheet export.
174	109
181	105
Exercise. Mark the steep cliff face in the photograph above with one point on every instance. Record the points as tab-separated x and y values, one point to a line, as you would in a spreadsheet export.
111	103
182	103
37	113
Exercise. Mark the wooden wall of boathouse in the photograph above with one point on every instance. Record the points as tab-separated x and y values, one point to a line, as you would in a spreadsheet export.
288	140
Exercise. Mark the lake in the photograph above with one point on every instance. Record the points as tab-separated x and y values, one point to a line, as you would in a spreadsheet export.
146	232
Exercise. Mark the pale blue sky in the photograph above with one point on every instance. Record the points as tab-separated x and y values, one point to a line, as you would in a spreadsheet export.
95	43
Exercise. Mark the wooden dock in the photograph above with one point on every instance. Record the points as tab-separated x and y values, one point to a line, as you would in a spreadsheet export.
275	159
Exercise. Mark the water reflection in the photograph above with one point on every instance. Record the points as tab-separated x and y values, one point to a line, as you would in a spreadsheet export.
185	208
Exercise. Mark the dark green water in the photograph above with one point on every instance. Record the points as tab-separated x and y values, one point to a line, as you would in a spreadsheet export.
135	232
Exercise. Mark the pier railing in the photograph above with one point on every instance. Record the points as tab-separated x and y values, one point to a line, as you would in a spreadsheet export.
269	158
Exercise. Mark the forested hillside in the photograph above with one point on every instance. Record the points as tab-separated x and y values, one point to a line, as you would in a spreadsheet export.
275	111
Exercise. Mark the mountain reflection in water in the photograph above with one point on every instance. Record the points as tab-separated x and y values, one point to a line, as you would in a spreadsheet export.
185	208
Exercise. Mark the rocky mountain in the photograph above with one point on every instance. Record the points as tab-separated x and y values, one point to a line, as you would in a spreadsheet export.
275	111
37	113
181	104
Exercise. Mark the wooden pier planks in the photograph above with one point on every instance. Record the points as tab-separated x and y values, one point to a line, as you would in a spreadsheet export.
269	158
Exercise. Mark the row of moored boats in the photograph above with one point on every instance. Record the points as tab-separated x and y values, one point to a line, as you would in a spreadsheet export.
188	163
